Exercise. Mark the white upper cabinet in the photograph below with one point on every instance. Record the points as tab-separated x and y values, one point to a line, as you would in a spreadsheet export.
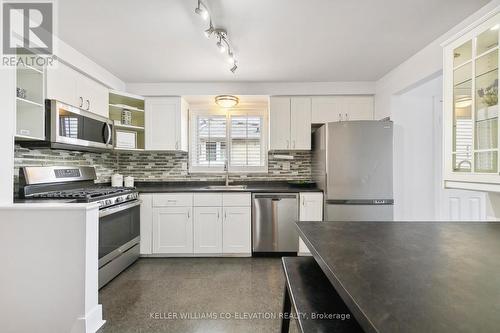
327	109
470	101
61	84
300	123
71	87
166	123
279	123
95	96
290	123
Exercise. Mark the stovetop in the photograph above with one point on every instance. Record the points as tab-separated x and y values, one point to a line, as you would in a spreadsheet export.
86	194
104	196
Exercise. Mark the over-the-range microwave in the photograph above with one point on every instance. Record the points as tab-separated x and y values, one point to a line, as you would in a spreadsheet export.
68	127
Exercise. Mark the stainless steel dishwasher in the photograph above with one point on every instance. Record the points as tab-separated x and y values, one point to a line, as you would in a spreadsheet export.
273	222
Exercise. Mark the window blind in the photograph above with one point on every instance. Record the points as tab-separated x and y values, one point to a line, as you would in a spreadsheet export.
209	141
463	143
246	141
237	137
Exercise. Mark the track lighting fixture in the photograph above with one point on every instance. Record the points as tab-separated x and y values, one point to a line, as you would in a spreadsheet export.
223	43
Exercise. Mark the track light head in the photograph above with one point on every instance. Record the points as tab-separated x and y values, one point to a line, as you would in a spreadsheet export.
230	57
200	10
210	30
234	68
221	46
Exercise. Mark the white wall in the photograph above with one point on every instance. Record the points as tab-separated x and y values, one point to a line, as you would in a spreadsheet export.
414	158
424	65
251	88
7	130
418	162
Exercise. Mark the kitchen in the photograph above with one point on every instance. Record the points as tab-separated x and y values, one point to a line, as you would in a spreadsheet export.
152	188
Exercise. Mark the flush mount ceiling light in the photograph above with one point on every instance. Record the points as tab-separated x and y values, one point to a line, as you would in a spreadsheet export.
226	101
223	43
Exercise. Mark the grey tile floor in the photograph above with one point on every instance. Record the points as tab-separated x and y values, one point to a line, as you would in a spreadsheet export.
194	287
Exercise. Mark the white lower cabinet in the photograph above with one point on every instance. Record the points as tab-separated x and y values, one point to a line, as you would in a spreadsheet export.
237	230
146	223
173	230
193	224
208	230
311	209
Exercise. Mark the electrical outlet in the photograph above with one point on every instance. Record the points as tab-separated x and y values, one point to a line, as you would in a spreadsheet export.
285	166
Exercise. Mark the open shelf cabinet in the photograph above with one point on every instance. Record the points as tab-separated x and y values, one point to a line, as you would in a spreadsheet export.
30	109
124	131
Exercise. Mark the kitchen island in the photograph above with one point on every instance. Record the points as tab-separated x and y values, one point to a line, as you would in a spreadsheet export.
412	276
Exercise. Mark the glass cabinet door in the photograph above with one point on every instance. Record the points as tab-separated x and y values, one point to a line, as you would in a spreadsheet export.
462	109
486	102
475	104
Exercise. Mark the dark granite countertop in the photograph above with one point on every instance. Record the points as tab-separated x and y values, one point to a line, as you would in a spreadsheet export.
272	186
412	276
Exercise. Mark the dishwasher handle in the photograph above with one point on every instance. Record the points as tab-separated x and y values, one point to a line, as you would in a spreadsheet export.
275	196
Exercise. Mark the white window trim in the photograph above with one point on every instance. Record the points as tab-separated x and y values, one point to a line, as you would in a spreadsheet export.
228	113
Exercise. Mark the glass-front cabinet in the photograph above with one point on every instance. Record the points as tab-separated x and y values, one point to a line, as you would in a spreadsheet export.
471	156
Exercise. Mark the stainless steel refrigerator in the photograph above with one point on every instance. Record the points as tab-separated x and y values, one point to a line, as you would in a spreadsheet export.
352	164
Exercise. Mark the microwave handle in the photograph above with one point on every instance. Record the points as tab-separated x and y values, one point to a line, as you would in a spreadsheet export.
106	137
108	140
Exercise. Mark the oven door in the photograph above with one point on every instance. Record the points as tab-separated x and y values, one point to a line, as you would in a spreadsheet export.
119	230
70	125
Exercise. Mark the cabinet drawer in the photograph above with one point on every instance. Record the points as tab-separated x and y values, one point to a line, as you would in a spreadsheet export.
236	199
173	200
207	199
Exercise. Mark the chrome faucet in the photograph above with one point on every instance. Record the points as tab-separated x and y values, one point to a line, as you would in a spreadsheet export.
226	169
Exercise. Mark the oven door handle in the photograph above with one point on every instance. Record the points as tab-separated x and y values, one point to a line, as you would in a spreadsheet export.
119	208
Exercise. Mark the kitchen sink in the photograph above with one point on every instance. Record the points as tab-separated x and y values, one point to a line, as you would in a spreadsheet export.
226	188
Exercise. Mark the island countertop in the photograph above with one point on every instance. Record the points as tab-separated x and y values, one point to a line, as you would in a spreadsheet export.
412	276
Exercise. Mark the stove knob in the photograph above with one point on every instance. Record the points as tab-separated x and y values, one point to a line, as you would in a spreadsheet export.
131	196
108	202
119	199
101	203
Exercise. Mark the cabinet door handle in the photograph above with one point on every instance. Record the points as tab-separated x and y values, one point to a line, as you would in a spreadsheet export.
188	213
81	101
346	117
303	201
176	145
294	144
287	144
340	116
88	105
225	215
218	212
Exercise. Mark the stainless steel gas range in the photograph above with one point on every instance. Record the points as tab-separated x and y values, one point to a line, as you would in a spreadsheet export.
119	210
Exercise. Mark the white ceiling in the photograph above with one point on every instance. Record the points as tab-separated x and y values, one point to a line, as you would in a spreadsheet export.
275	40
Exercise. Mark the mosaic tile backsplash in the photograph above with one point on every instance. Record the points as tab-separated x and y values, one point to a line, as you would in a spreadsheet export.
158	166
